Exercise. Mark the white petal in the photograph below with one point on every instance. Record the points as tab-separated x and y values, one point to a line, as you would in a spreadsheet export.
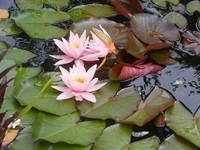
96	87
89	97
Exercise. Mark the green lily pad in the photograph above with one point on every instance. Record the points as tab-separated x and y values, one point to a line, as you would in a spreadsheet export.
18	55
66	129
24	141
37	23
193	6
156	102
3	46
151	143
8	27
27	90
163	3
38	4
110	103
174	142
91	10
177	19
182	122
115	137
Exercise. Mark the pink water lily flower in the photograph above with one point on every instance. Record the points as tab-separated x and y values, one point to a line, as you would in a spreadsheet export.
101	42
79	83
74	50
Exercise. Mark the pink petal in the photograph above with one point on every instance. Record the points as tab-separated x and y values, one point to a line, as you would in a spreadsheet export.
78	98
62	88
63	61
64	96
96	87
89	97
91	72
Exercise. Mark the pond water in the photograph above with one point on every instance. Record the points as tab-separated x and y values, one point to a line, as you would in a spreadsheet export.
181	79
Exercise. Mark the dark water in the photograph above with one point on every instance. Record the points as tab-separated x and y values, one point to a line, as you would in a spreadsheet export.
181	79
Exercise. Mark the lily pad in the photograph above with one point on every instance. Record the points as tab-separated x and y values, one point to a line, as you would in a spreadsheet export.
117	31
38	4
3	46
163	3
151	143
27	90
8	27
91	10
193	6
37	23
110	103
182	122
114	137
177	19
156	102
175	142
24	141
151	28
66	129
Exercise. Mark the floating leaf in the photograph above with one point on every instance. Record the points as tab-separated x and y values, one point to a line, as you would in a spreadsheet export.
162	3
124	71
38	4
110	104
193	6
127	7
37	23
175	142
27	90
3	46
151	143
156	102
24	141
91	10
118	32
7	27
66	129
115	137
177	19
151	28
181	121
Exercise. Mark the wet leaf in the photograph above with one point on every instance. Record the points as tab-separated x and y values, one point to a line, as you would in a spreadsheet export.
127	7
177	19
91	10
7	27
124	71
156	102
151	143
118	32
182	122
114	137
4	13
38	4
162	3
123	103
37	23
27	90
164	56
175	142
24	141
151	28
66	129
3	46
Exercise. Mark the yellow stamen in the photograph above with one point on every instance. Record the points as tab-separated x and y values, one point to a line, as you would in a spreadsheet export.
76	45
80	79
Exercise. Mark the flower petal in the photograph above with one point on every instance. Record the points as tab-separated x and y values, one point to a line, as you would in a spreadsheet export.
89	97
96	87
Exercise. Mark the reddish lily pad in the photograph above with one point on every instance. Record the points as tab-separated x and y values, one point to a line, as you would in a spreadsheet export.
151	28
127	7
175	142
114	137
182	122
110	103
118	32
124	71
156	102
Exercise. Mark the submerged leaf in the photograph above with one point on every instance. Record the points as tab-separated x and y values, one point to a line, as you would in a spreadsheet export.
151	28
156	102
37	23
66	129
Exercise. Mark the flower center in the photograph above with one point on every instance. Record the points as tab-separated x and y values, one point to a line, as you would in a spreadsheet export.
79	79
74	45
154	34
